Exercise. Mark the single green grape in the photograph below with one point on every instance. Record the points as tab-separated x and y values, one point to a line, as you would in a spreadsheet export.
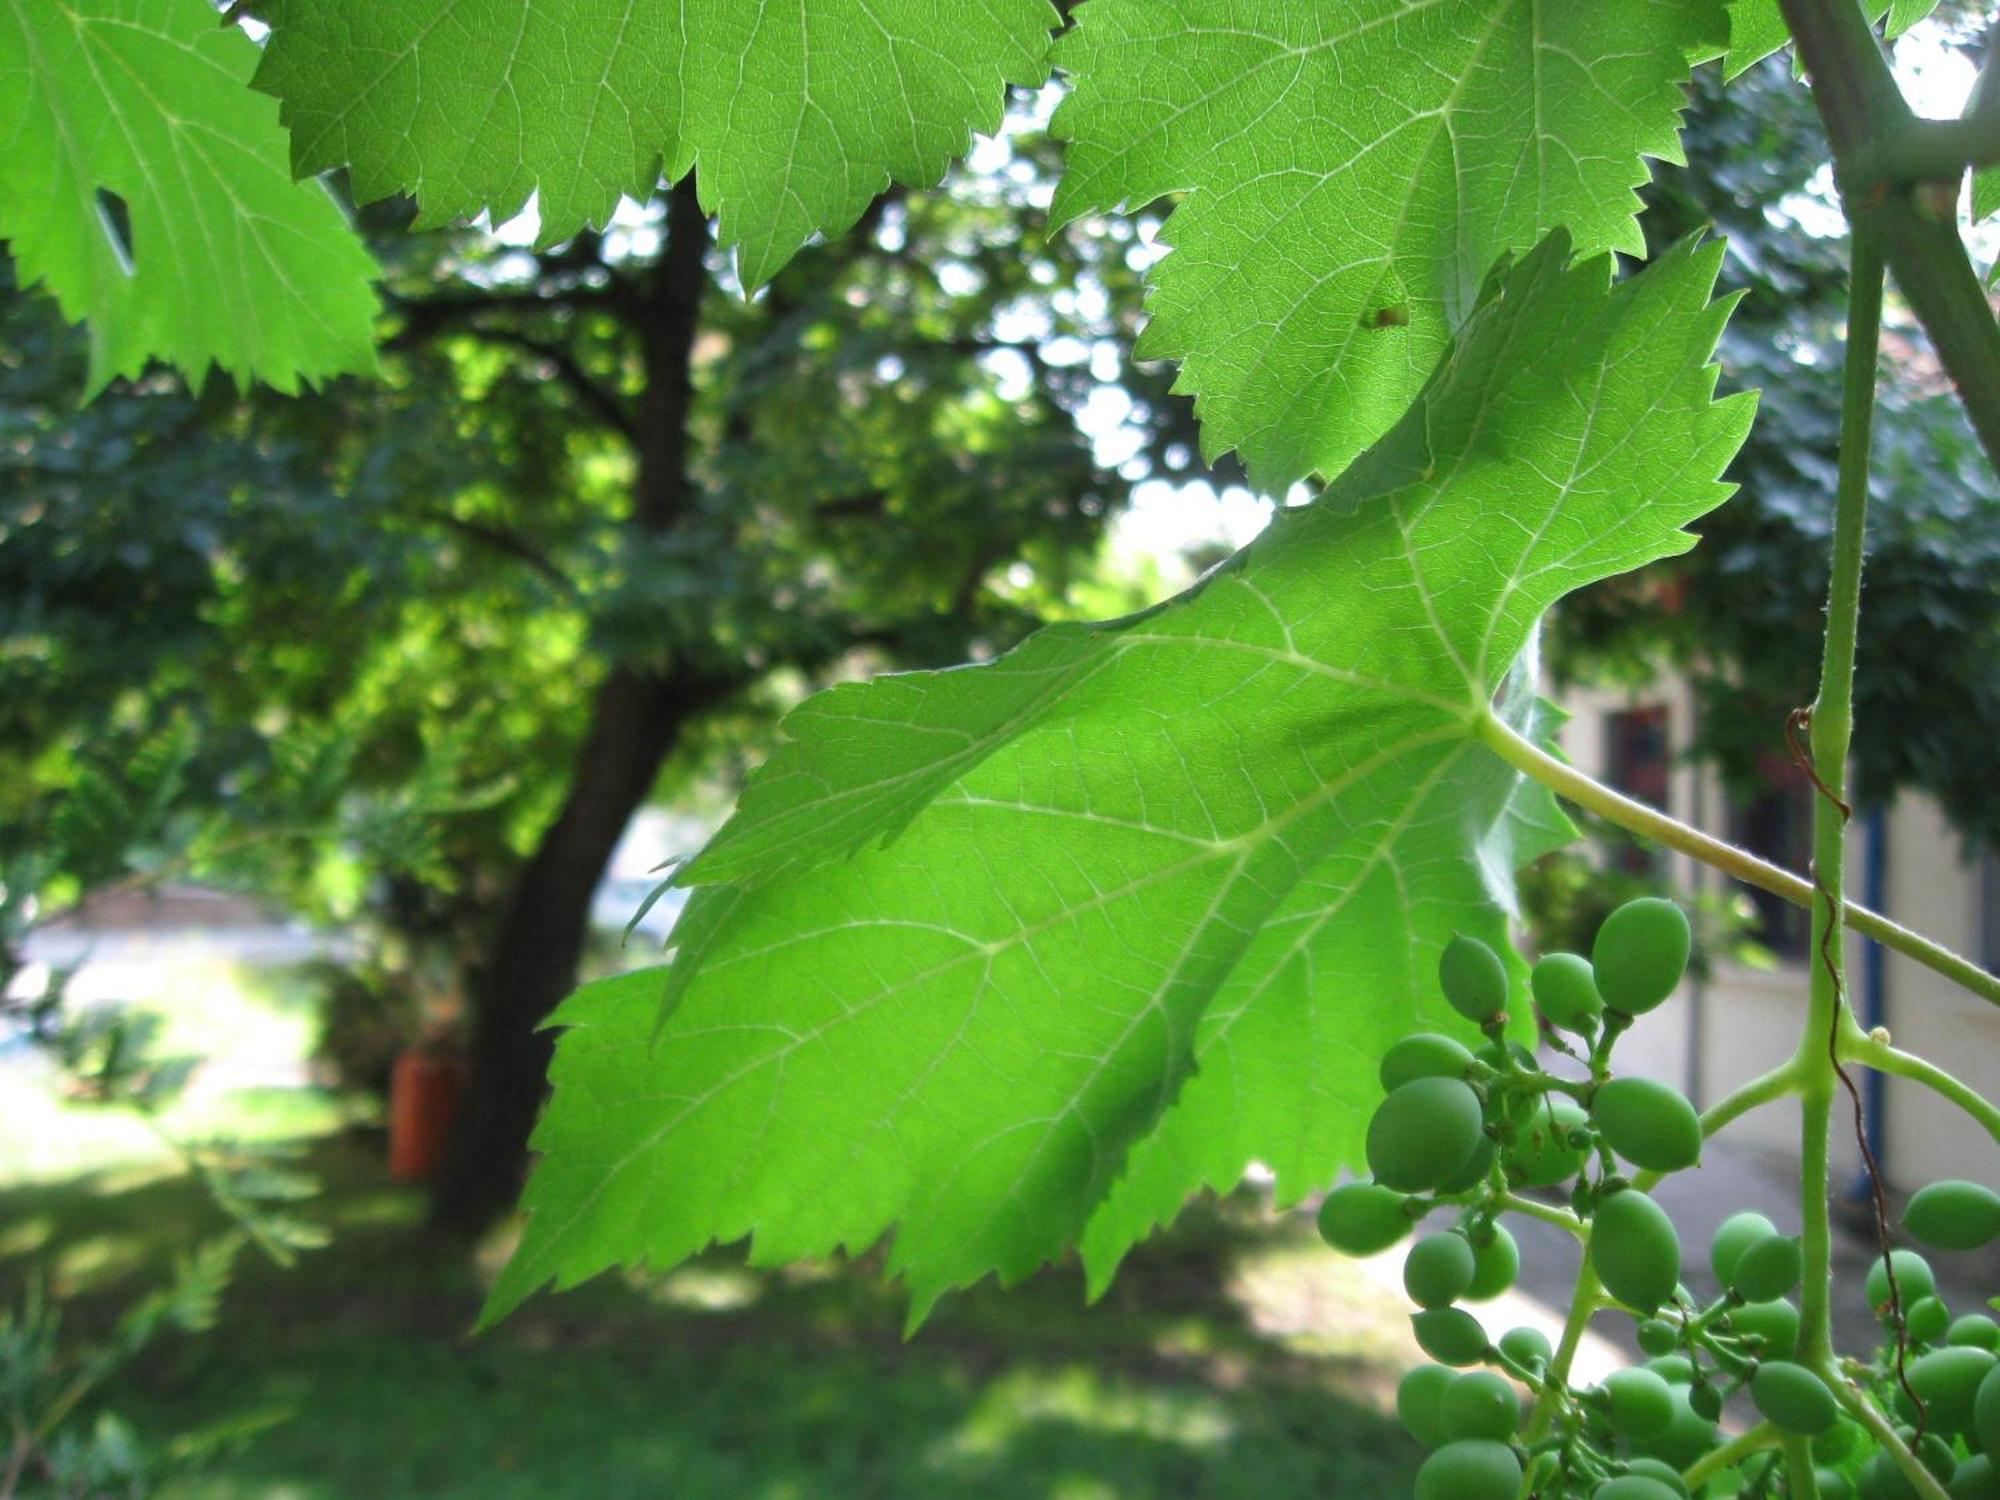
1438	1270
1363	1218
1650	1124
1833	1485
1974	1330
1881	1479
1914	1281
1470	1470
1635	1250
1791	1397
1839	1440
1417	1398
1768	1269
1541	1154
1928	1320
1775	1325
1527	1347
1423	1054
1636	1487
1480	1404
1495	1265
1473	978
1449	1335
1674	1369
1975	1479
1705	1399
1639	1403
1736	1234
1947	1381
1656	1469
1686	1438
1954	1215
1658	1336
1566	992
1423	1134
1475	1169
1932	1451
1640	953
1986	1411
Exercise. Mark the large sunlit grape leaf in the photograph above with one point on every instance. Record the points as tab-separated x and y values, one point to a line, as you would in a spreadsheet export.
796	115
1757	27
147	187
1169	883
1351	169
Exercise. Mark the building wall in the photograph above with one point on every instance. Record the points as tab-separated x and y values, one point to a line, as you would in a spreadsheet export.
1716	1034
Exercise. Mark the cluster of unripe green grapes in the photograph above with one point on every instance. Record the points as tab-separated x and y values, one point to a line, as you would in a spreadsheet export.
1486	1131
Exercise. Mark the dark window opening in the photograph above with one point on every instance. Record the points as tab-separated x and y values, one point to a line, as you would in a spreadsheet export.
1637	761
1774	821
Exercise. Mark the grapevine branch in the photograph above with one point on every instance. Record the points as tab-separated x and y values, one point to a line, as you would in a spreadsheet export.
1875	1053
1874	135
1525	756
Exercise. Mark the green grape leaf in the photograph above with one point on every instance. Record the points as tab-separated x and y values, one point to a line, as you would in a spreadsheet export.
150	190
1757	28
1351	170
1155	893
798	116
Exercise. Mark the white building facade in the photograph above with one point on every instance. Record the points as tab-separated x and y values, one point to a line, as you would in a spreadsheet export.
1905	859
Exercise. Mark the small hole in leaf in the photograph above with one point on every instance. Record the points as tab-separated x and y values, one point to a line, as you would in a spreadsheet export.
117	221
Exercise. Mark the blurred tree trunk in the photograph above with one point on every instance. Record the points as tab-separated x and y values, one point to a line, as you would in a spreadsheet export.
531	960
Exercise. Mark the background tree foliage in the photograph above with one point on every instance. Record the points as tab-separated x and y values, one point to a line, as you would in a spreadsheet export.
438	635
1741	613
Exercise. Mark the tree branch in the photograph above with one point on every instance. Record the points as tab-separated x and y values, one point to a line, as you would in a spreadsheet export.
607	405
499	539
1865	115
426	317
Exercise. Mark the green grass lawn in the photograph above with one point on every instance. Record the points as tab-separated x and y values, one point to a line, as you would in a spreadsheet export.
1231	1360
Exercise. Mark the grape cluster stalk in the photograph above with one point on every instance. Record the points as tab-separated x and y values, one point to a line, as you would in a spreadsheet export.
1480	1129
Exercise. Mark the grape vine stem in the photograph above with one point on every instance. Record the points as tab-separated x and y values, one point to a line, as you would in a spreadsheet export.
1713	1462
1879	1427
1548	1213
1884	1058
1831	728
1649	822
1584	1300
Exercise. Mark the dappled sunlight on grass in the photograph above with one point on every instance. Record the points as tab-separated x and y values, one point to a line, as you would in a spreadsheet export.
704	1289
1019	1400
1192	1376
99	1260
26	1235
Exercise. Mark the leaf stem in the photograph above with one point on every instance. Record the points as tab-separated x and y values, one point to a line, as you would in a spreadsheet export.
1566	780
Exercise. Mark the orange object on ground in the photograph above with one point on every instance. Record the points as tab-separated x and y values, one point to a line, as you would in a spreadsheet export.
423	1097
